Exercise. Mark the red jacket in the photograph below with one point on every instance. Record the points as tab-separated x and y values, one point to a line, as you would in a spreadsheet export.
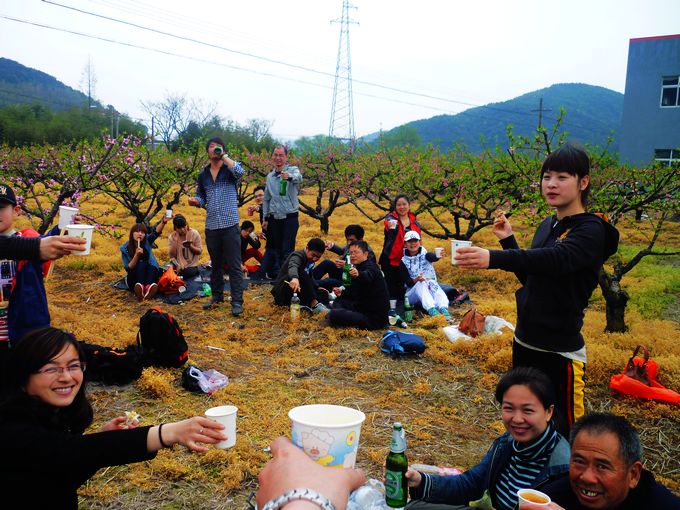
393	246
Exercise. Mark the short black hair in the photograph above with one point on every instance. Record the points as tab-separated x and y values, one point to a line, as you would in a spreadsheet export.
317	245
258	188
361	244
179	221
247	224
538	383
215	139
571	158
599	423
397	198
284	147
354	230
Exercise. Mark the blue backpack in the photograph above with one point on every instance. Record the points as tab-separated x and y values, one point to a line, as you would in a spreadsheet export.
401	342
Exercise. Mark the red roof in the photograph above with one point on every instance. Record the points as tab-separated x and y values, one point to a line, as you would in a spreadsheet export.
655	38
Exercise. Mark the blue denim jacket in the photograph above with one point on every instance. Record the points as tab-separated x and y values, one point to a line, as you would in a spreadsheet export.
148	241
470	485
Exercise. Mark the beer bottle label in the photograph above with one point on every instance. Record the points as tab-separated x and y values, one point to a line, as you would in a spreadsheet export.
393	487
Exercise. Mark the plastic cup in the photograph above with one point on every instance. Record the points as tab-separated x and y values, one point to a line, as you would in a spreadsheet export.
439	252
532	496
226	415
66	215
455	244
168	213
328	434
84	231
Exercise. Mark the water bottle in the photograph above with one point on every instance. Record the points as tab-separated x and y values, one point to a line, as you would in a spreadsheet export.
207	291
408	310
294	307
283	187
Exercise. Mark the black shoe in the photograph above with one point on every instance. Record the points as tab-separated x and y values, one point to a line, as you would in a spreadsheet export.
236	309
211	304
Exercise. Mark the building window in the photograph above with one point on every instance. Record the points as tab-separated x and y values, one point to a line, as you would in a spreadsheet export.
667	156
670	91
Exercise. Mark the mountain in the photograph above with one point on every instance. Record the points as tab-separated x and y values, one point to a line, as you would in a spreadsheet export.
21	84
592	113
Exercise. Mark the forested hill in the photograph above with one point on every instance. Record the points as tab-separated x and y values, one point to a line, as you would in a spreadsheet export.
21	84
592	113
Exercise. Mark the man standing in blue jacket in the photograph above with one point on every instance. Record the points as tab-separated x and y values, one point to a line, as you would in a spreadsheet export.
217	191
280	211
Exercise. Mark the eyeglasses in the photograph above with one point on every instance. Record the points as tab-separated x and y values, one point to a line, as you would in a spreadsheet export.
72	369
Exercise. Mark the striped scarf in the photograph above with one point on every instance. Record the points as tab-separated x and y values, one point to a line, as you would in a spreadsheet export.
524	465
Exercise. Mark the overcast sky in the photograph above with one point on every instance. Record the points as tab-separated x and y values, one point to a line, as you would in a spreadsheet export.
462	52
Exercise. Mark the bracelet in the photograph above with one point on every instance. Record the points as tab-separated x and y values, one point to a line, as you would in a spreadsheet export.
306	494
160	437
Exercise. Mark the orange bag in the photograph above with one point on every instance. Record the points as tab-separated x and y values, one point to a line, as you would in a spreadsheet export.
642	370
472	323
170	282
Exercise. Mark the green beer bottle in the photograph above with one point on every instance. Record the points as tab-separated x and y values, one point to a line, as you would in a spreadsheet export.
346	278
396	487
283	187
408	310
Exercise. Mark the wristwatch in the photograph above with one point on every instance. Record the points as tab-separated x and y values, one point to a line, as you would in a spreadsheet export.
305	494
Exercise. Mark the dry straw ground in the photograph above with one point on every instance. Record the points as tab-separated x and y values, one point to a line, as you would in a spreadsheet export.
444	397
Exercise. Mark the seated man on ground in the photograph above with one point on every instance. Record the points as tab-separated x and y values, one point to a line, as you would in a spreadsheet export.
184	247
250	238
295	275
334	267
365	303
605	470
421	278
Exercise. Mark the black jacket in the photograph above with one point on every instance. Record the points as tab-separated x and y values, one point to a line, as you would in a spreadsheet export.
43	463
19	248
558	276
368	292
648	495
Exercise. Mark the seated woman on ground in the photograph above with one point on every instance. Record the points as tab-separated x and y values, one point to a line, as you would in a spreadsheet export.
139	261
43	414
184	247
528	455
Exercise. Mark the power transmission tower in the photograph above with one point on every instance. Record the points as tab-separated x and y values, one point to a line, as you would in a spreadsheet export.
342	111
540	113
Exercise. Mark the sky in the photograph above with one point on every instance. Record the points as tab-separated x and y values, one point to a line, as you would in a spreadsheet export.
276	61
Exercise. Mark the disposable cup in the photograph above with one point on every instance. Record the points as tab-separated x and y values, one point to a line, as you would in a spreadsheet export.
532	496
168	213
84	231
439	252
392	223
226	415
66	215
393	303
455	244
328	434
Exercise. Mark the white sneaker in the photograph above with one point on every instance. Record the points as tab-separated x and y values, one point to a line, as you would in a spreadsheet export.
319	308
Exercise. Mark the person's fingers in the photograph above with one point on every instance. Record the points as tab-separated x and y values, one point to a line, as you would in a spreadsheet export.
281	447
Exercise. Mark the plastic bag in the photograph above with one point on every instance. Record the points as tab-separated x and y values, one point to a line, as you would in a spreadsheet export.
370	496
194	379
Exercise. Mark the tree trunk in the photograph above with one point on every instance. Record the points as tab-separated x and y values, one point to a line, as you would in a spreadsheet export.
324	224
616	300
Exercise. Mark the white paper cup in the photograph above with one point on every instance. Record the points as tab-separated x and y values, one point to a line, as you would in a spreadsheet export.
392	223
84	231
532	496
393	304
226	415
168	213
328	434
455	244
66	215
439	252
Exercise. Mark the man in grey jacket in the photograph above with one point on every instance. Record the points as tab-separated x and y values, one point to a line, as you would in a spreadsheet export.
280	211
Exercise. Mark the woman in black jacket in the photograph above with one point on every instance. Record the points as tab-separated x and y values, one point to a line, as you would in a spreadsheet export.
43	414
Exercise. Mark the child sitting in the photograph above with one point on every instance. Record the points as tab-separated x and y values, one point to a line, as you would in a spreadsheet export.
421	278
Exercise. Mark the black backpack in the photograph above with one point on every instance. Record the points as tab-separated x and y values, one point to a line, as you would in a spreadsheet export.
112	366
161	340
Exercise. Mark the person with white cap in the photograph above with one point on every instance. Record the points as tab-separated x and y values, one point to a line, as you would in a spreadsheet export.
421	278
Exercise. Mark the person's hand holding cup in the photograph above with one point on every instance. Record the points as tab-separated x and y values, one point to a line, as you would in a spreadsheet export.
392	223
528	499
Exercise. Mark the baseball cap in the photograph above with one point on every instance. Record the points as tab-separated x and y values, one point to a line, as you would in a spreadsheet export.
411	235
7	195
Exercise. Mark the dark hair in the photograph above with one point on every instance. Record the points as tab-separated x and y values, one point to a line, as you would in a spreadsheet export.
534	379
179	221
396	199
214	139
247	224
600	423
361	244
30	354
257	188
284	147
354	230
137	227
317	245
573	159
